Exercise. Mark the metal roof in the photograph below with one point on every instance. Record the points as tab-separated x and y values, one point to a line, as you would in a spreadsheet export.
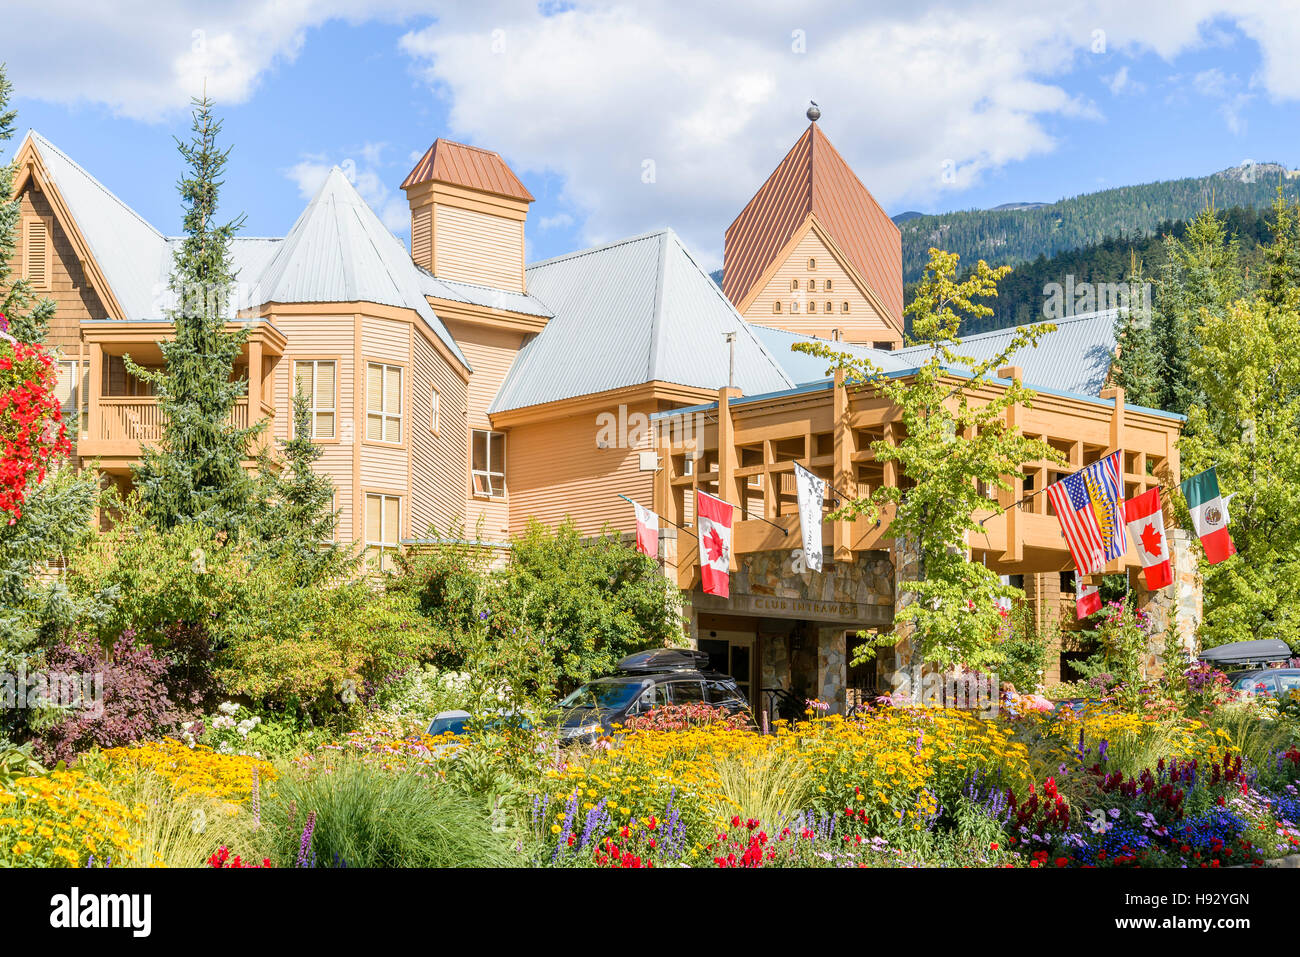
470	166
1075	358
813	179
635	311
489	296
133	256
339	251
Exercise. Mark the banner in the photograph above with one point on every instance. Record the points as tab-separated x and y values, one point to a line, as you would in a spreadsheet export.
647	531
713	519
812	494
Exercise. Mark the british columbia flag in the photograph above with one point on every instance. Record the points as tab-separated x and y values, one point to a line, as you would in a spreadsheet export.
1087	504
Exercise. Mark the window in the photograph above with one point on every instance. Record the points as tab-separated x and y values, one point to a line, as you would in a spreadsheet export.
812	264
36	258
830	306
812	285
70	387
812	306
383	526
687	692
435	410
882	345
844	307
827	286
776	306
314	378
794	285
794	306
383	403
488	463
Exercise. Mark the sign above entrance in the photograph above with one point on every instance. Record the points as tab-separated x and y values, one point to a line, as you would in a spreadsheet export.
773	606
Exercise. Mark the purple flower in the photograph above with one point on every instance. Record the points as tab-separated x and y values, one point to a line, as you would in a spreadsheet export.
305	845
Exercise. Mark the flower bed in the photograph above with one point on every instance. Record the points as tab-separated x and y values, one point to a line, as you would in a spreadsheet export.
63	819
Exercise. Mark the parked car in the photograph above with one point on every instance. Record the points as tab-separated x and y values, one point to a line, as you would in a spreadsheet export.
458	722
1266	682
643	681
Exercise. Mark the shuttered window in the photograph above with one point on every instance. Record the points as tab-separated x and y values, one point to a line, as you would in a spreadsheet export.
383	403
488	463
36	260
316	379
383	529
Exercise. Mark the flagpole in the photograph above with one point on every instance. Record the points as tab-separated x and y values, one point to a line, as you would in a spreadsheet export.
668	520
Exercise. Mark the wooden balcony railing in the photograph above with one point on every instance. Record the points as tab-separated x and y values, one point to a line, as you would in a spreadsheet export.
139	418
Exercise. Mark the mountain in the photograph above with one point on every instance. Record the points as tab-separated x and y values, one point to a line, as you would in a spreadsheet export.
1019	232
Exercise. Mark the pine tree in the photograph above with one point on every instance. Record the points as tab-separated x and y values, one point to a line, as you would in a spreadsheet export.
298	519
1136	368
1200	278
1280	284
28	320
197	473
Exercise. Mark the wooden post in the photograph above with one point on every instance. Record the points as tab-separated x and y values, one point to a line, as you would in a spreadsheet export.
1015	550
727	461
843	470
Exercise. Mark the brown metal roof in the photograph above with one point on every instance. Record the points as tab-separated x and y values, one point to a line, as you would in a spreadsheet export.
467	166
814	179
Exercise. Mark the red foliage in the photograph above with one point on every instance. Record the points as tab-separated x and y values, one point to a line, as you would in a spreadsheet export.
32	431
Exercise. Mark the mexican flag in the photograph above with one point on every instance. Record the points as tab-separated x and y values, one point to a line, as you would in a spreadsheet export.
1209	515
713	519
1146	528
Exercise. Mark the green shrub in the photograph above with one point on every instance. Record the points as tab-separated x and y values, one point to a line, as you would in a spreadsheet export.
363	816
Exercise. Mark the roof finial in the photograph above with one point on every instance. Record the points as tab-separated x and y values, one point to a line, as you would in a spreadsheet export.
814	112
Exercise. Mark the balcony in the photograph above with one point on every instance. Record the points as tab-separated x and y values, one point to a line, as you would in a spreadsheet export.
120	420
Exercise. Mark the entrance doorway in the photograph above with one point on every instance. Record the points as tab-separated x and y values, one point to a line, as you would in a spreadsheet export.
732	653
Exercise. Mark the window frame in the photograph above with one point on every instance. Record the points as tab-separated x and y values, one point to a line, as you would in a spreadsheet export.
315	409
488	472
383	546
383	414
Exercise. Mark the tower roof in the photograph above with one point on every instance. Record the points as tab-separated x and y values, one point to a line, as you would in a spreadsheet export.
814	180
469	166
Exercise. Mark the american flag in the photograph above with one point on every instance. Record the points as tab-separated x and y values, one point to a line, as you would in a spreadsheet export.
1087	504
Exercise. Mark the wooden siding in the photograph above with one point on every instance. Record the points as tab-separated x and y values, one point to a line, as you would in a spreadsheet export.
324	337
862	324
385	340
422	237
68	284
490	353
556	471
477	247
437	461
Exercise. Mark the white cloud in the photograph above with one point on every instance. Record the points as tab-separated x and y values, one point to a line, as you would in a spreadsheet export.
371	183
1120	82
920	100
556	221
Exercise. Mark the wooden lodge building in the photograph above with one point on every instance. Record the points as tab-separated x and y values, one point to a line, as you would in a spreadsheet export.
453	385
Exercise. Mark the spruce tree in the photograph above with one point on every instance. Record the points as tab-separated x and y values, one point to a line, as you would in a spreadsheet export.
1137	366
28	319
1280	285
298	519
197	472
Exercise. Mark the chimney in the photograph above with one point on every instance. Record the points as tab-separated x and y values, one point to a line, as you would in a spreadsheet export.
468	210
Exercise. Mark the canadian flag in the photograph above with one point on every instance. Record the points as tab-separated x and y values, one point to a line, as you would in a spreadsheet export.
647	531
713	519
1146	528
1088	601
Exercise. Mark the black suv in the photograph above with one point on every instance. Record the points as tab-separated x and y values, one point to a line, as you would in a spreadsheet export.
646	680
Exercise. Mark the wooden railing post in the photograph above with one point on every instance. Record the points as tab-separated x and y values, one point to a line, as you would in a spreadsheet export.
1015	550
842	473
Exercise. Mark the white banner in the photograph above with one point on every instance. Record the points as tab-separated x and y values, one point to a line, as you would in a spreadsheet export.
812	493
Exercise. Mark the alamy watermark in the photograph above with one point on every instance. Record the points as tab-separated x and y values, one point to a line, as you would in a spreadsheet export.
968	690
637	430
1071	298
71	690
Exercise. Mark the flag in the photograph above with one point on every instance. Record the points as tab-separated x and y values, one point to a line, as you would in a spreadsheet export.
1088	601
812	493
1209	515
647	531
713	520
1146	528
1087	504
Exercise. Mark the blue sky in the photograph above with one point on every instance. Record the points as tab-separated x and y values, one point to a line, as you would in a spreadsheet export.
1014	104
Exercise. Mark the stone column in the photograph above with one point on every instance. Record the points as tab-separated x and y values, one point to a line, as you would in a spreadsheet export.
1179	606
906	661
832	668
